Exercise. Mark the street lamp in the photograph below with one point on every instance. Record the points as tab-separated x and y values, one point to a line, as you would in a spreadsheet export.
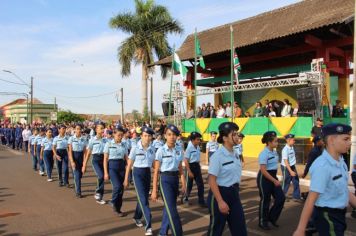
30	86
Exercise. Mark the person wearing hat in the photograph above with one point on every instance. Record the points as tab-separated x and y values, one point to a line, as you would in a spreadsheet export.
179	142
168	163
96	150
314	153
268	183
109	135
238	148
141	158
47	153
193	169
329	195
316	130
37	150
60	153
115	154
212	146
76	148
158	142
288	168
224	180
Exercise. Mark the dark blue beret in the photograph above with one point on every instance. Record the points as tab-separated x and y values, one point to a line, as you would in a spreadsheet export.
194	135
43	130
147	130
289	136
241	135
316	139
109	131
62	126
174	129
213	132
120	129
227	127
335	128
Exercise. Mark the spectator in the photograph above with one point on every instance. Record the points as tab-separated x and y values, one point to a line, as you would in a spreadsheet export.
271	113
266	108
286	108
237	110
277	108
228	110
220	112
190	114
338	110
316	130
213	112
199	112
205	111
247	114
295	110
258	110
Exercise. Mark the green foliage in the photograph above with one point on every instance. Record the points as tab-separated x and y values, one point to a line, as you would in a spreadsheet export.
68	116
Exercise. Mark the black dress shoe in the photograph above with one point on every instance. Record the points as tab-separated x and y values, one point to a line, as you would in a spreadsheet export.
264	226
78	195
274	224
60	184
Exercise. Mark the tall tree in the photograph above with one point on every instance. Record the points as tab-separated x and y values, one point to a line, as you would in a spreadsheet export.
148	28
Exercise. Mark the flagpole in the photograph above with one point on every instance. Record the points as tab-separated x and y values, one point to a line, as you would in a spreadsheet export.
195	73
170	87
232	72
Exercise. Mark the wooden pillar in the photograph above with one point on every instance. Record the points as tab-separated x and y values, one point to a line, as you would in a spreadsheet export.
218	100
190	87
344	85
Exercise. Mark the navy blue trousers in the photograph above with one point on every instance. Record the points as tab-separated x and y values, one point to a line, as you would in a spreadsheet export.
169	185
19	143
196	170
48	160
287	178
117	177
330	221
142	183
33	157
98	166
62	166
267	190
77	172
26	145
38	154
235	218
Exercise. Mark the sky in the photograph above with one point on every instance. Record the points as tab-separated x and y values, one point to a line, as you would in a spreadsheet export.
71	52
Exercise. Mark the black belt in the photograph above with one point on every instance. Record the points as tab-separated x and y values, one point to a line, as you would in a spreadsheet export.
332	210
170	173
194	163
116	159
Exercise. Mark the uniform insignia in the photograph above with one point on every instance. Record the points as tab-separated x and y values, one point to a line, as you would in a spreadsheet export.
339	129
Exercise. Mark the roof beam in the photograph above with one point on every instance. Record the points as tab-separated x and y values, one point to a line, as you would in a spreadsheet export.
313	41
336	51
337	70
332	64
348	41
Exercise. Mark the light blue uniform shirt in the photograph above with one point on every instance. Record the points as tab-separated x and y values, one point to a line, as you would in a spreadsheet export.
78	143
354	163
329	178
38	139
32	139
288	153
226	167
133	142
169	158
116	151
238	150
47	144
96	146
268	158
60	142
192	154
127	142
212	146
157	144
180	144
142	158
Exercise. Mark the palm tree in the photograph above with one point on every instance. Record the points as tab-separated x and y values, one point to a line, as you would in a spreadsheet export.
148	28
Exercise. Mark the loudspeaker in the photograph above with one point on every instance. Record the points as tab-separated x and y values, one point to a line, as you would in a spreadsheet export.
308	98
165	108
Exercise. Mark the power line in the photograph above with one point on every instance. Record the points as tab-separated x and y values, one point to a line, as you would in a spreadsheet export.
11	82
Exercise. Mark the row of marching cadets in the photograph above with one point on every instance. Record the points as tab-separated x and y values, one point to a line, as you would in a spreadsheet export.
116	158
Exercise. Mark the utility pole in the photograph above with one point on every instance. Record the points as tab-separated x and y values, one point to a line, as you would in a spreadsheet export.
55	104
353	115
122	105
151	100
31	93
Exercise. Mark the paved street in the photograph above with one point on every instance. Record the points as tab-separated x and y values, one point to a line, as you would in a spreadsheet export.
29	205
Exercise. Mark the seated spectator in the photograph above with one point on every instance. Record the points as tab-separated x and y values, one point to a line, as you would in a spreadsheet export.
221	112
247	114
237	110
228	110
258	112
271	113
338	110
286	108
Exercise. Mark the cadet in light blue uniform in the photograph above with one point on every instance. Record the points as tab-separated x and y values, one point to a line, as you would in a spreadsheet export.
288	167
168	162
109	136
141	158
211	146
268	183
115	154
158	142
193	169
60	152
37	151
224	180
180	143
76	149
329	195
96	149
47	153
31	143
238	148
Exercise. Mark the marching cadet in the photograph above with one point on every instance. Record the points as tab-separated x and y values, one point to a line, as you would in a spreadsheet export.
238	148
18	137
268	183
289	169
158	142
126	139
115	154
96	150
316	151
47	153
168	162
193	169
141	158
60	152
329	195
211	146
37	150
31	149
76	149
109	135
224	180
179	142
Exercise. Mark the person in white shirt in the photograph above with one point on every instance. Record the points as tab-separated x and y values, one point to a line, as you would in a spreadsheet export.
286	108
221	112
26	133
228	110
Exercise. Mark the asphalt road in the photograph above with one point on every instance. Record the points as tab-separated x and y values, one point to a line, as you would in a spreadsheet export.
29	205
